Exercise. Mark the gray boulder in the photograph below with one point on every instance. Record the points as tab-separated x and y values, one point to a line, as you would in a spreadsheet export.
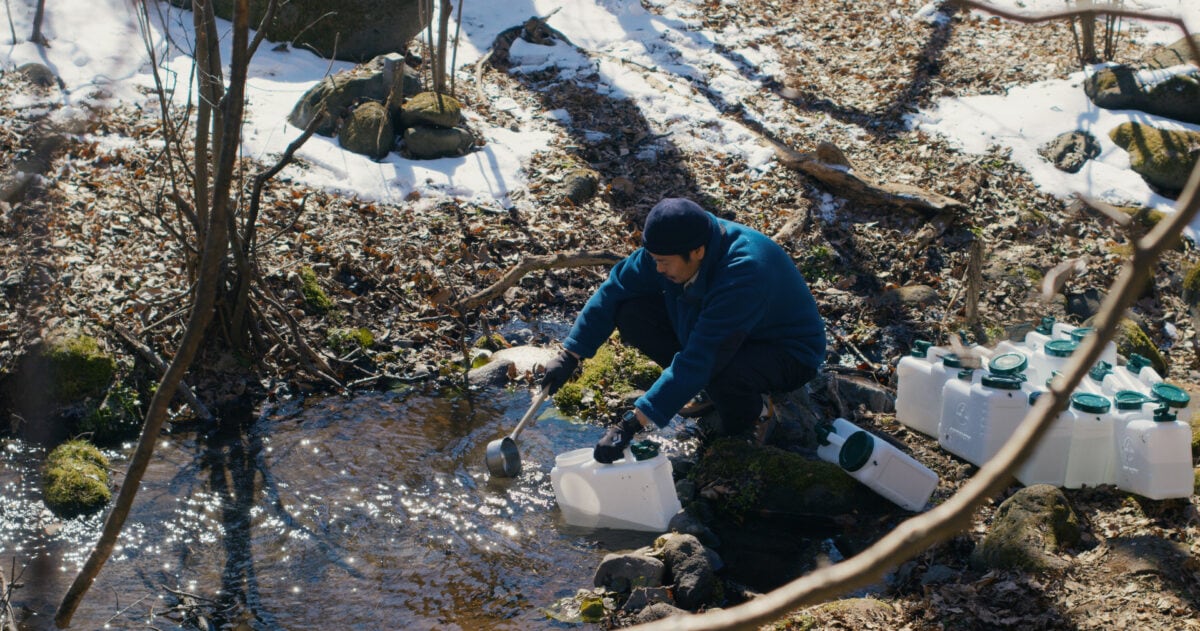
1029	531
350	30
368	131
430	143
376	80
494	373
657	611
1167	56
581	185
1164	158
38	74
1068	152
623	572
1174	95
692	567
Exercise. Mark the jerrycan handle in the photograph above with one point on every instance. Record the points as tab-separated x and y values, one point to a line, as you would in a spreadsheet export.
824	429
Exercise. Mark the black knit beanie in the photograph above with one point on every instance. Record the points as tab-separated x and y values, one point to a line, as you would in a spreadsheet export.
676	226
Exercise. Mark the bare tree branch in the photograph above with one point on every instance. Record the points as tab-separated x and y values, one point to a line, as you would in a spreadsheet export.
216	242
533	263
954	515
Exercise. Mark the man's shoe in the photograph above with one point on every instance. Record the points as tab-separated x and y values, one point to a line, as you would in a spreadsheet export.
697	407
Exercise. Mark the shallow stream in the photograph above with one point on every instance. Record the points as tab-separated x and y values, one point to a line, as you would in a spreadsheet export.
369	512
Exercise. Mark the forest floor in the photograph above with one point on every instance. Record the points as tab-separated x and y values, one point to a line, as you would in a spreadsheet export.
89	248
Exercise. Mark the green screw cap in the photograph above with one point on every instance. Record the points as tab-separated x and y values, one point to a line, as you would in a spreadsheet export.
920	348
951	360
856	451
1046	327
1170	394
1002	382
1136	363
1079	333
1163	414
1130	399
1101	370
1008	364
1061	348
1090	403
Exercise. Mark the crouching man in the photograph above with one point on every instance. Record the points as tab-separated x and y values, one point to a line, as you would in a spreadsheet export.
719	306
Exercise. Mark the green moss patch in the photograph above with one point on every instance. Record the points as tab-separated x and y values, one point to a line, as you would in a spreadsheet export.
742	477
75	479
344	341
118	417
76	366
615	371
1028	532
1163	157
314	297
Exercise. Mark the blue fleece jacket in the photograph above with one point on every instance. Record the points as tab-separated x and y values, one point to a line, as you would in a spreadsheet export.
747	289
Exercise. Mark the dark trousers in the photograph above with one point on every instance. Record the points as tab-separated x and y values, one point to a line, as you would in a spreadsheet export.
742	373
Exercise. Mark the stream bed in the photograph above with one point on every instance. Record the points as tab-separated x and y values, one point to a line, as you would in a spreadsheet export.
374	511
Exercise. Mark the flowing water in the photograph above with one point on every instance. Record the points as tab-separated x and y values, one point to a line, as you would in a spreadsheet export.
371	512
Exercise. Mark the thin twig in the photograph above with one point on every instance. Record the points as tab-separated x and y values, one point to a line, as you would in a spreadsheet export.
184	389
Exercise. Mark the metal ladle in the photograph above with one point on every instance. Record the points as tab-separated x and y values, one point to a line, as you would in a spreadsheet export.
503	457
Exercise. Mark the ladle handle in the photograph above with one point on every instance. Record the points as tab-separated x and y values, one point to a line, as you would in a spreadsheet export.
537	401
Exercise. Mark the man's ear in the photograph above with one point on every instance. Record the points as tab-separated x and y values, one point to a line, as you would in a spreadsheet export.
697	254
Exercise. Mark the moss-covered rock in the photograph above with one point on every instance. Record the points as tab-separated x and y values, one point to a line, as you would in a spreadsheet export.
75	479
1162	157
1028	532
368	131
1191	286
740	477
426	142
314	297
491	342
431	108
74	365
605	379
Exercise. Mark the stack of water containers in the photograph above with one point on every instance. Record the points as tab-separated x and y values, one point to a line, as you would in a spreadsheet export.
1124	425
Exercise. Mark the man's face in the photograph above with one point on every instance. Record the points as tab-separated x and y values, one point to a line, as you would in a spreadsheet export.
677	268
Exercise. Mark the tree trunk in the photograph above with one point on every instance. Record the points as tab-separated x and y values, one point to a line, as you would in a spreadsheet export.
216	241
40	14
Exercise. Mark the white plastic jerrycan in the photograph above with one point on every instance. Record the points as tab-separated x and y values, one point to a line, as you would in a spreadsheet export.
629	494
1079	334
1049	358
919	379
1048	462
1091	460
831	446
1042	333
978	417
1175	398
887	470
1153	449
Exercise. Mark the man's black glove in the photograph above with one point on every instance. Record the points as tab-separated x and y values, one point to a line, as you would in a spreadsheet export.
558	371
616	439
